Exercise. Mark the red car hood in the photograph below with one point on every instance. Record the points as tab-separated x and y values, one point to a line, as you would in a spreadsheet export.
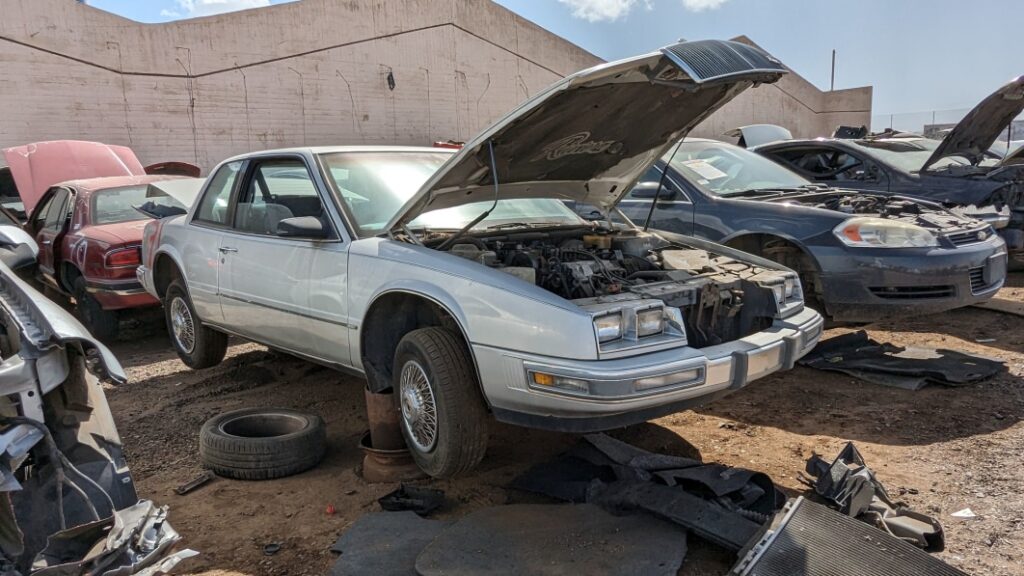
37	167
118	233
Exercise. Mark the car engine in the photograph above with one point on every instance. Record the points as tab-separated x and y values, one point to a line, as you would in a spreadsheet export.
720	298
890	207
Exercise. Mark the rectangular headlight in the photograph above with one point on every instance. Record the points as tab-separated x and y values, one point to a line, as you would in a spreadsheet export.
650	322
609	327
780	293
791	284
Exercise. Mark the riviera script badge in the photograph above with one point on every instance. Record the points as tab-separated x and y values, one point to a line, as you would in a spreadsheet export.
579	143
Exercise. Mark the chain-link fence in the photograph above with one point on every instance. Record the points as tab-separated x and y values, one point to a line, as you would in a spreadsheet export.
936	123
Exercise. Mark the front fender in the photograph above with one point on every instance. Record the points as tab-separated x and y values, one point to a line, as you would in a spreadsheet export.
493	308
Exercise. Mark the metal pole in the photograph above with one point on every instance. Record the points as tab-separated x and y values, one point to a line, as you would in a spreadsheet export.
833	84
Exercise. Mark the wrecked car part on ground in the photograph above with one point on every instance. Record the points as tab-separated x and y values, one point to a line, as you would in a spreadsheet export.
262	443
849	484
861	256
957	171
910	367
808	539
723	505
64	474
408	286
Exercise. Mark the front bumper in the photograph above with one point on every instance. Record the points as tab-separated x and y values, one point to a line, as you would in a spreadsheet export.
871	285
723	369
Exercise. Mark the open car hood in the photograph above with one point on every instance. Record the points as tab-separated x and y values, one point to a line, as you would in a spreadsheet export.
758	134
973	135
1014	158
37	167
591	135
183	191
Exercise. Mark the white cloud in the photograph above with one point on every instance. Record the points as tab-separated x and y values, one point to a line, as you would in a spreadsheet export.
702	5
195	8
603	10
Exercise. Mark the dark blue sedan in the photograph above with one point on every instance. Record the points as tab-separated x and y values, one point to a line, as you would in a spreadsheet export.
861	256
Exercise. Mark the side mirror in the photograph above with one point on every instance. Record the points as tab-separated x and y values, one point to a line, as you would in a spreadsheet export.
309	227
17	248
652	189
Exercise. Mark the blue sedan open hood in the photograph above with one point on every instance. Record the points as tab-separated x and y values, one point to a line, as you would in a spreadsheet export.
591	135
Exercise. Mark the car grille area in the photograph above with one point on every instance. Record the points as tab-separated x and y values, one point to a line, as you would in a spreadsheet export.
970	236
913	292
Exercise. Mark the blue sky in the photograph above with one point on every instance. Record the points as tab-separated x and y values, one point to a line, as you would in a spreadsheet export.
919	54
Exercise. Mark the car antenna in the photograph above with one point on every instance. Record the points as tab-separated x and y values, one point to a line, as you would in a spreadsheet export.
661	184
494	177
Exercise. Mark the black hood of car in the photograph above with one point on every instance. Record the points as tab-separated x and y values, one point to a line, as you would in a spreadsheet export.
975	134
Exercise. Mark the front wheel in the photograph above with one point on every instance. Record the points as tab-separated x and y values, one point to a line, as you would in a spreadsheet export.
444	418
196	345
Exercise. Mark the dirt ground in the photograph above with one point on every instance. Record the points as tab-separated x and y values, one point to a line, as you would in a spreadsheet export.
938	449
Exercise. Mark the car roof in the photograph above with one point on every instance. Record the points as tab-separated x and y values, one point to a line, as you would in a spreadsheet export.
94	184
336	149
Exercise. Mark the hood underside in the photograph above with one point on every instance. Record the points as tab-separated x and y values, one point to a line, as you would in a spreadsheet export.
37	167
975	134
590	136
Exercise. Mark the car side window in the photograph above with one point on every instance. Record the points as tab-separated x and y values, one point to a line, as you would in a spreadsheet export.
213	208
826	164
276	189
57	211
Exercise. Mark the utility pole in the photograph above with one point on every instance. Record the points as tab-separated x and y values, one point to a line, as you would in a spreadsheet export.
832	87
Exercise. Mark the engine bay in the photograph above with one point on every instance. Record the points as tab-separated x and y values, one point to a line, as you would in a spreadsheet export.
888	207
719	298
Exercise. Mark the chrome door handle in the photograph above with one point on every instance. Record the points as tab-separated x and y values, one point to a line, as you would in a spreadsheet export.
47	242
225	249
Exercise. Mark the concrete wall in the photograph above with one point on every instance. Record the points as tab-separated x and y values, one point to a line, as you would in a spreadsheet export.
307	73
312	72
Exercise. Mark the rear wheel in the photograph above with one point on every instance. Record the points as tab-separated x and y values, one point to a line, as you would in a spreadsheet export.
444	418
103	324
197	345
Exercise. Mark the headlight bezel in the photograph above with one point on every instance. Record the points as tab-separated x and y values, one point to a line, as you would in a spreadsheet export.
870	232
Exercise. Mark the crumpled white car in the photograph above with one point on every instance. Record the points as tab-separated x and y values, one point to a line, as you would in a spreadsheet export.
463	283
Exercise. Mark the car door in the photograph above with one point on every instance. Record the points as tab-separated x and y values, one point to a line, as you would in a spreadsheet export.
288	292
673	210
200	249
49	224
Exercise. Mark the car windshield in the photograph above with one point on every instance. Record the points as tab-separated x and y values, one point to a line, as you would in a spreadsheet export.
118	204
518	212
727	170
374	185
909	154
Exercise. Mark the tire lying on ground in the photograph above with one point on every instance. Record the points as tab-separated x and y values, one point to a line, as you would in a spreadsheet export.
262	443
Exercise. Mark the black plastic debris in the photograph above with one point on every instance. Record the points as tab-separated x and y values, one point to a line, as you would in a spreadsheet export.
808	539
554	539
852	487
384	543
910	368
422	501
726	506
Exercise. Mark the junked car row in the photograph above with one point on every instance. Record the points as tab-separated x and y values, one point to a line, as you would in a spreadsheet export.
580	265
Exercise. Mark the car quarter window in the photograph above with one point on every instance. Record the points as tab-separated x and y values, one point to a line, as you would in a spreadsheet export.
213	208
40	215
57	211
276	189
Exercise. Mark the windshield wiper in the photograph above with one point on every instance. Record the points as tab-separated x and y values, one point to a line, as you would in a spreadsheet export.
778	190
505	225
